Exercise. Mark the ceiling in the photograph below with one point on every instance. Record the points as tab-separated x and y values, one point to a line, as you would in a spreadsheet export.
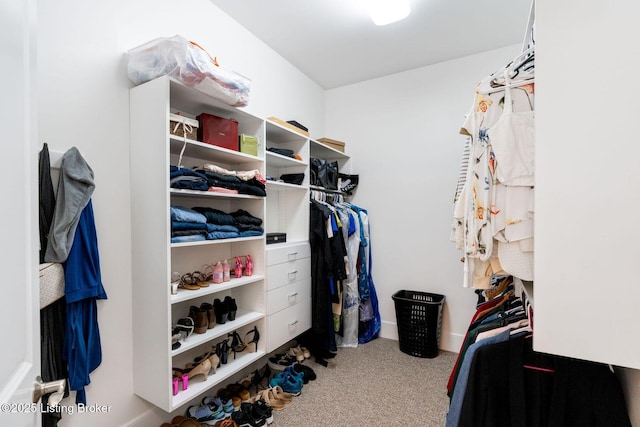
335	43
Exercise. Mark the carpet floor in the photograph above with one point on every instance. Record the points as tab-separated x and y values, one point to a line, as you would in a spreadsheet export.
373	385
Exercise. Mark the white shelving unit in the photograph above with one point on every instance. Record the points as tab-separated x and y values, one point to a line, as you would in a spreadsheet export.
288	267
154	258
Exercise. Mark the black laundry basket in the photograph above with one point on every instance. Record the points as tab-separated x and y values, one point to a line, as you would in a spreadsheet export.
418	315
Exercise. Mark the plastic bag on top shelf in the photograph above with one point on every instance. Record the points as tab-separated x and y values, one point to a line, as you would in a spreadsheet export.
190	64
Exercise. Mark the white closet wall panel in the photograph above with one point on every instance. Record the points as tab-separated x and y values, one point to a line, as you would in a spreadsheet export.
587	181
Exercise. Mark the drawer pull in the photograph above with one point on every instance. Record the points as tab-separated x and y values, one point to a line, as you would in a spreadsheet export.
292	255
292	274
294	323
293	295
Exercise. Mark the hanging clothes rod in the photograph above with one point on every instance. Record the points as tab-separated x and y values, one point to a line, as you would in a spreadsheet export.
510	85
326	190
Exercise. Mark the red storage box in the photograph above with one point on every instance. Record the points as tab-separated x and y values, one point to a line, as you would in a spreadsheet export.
218	131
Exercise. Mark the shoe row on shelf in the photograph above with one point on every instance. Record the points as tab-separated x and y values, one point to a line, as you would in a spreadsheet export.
209	362
216	273
202	318
250	402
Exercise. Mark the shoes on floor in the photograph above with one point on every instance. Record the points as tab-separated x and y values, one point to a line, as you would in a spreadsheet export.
248	416
181	421
217	402
307	372
208	414
263	410
269	397
281	361
281	394
290	383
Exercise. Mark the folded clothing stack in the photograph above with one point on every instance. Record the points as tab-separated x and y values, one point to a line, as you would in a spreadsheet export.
187	179
221	225
187	225
216	179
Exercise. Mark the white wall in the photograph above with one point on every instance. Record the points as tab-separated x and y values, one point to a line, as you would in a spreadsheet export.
587	184
84	102
403	134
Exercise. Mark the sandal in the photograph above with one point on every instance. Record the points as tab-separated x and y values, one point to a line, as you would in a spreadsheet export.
237	345
188	282
207	272
271	399
281	394
297	353
254	339
199	279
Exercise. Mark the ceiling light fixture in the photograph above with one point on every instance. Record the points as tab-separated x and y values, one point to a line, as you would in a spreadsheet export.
385	12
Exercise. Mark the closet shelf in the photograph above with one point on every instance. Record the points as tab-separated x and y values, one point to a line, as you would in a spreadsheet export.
283	186
176	192
281	161
321	151
186	295
243	318
216	242
198	386
210	152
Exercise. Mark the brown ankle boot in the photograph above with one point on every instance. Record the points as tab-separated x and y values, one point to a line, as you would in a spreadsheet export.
211	316
200	319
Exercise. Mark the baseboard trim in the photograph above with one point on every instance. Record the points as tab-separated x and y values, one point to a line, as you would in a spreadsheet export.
148	418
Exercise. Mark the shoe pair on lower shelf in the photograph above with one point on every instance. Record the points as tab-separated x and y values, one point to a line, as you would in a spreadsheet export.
202	365
225	310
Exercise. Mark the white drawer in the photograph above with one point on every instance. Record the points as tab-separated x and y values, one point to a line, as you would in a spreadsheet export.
287	252
288	295
287	324
289	272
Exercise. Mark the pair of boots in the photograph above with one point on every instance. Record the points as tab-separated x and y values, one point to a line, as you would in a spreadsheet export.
207	315
225	309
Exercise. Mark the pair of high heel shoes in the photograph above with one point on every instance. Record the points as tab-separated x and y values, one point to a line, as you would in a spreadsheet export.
237	345
200	366
240	269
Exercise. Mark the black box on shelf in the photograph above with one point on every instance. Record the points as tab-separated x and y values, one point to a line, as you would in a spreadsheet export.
276	238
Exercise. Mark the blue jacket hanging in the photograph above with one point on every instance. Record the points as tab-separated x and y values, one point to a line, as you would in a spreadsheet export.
73	241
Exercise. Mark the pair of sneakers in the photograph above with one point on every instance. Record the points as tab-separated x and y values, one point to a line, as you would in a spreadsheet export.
206	414
289	379
212	410
256	414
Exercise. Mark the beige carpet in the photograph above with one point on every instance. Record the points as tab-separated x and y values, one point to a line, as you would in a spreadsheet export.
373	385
